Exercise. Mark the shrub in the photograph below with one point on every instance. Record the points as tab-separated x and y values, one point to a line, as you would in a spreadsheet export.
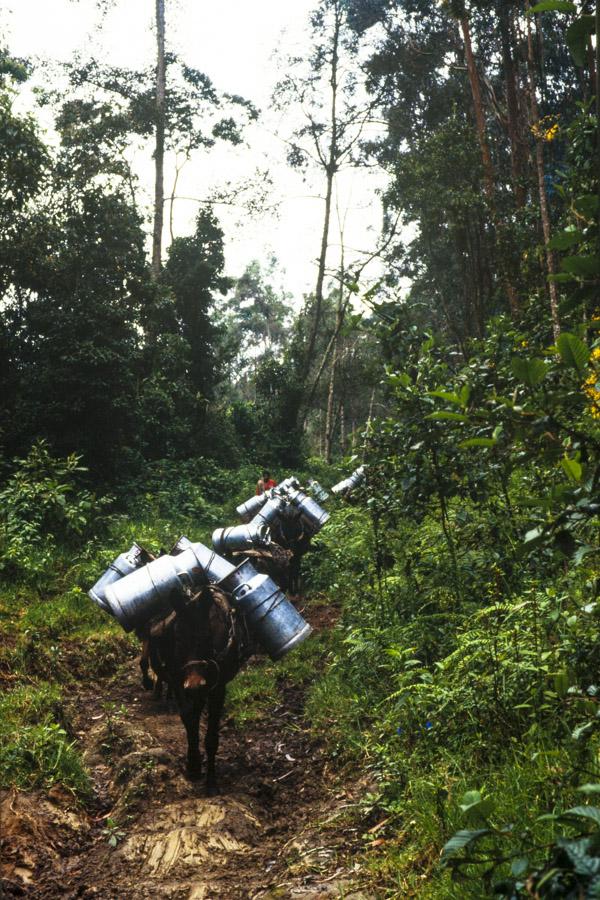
43	505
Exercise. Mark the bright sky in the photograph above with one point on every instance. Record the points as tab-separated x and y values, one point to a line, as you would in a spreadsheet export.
233	42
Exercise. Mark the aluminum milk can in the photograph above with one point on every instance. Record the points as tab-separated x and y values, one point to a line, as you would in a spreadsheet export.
270	512
313	515
127	562
348	484
248	510
148	592
241	537
274	621
317	490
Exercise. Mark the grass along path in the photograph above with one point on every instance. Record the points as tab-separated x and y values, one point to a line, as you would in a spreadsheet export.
279	828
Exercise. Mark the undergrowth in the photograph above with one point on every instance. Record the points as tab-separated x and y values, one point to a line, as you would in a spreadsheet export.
54	638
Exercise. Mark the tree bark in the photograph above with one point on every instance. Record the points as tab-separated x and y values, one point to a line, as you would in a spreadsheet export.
597	86
512	105
329	423
486	156
539	161
330	171
159	150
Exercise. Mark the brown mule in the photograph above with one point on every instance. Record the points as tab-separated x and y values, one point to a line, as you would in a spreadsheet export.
200	650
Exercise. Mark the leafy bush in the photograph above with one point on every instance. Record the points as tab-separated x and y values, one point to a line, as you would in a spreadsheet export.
42	505
35	748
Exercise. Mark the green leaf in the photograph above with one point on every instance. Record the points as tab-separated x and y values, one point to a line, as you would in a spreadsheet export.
584	266
564	240
578	33
589	789
572	468
469	800
573	351
583	812
534	535
586	206
519	866
556	5
465	393
460	840
400	378
479	442
449	396
443	414
529	371
473	802
562	683
561	278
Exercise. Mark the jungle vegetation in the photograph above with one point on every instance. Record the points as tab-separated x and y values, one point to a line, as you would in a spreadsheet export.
142	387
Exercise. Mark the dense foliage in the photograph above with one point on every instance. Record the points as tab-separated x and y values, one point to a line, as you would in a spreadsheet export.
463	672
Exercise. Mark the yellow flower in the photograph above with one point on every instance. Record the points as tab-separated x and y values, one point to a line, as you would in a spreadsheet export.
546	129
590	385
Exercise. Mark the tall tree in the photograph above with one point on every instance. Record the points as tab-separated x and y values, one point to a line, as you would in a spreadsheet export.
159	149
326	89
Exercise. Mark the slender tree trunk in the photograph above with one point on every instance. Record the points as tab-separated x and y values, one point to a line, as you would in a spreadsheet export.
159	151
329	423
486	156
371	405
330	172
342	428
512	105
539	160
597	86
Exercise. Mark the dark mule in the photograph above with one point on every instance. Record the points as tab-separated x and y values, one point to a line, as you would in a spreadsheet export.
290	534
197	653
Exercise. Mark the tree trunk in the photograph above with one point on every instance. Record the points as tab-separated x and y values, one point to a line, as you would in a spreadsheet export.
512	105
597	86
329	422
159	151
486	156
539	161
330	171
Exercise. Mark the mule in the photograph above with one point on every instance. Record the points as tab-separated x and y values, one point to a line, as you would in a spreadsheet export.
197	653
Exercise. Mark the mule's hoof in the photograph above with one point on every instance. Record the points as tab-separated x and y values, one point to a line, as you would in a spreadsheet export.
147	683
212	789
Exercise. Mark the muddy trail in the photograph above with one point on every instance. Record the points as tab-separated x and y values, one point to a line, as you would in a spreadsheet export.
279	828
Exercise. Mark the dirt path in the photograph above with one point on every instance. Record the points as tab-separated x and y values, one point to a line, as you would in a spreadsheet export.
277	829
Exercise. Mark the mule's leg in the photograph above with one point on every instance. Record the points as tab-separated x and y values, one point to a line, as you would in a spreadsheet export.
216	701
190	710
294	576
147	682
157	692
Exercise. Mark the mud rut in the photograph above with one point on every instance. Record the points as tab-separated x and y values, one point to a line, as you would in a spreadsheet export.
276	830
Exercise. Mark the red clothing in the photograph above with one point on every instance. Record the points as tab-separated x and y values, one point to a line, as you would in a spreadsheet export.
263	486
